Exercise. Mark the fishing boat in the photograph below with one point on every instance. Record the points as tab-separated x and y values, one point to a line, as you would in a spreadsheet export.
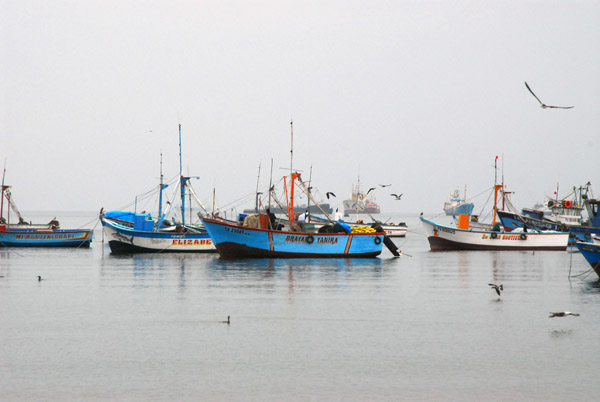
456	205
360	203
24	234
591	252
139	232
442	237
462	237
261	236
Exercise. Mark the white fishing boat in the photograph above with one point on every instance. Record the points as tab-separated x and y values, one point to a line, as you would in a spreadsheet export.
464	237
442	237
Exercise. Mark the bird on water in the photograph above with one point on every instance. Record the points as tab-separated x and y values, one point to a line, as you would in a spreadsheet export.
497	288
543	105
562	314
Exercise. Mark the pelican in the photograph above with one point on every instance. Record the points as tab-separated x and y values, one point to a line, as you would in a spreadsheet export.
497	288
562	314
544	106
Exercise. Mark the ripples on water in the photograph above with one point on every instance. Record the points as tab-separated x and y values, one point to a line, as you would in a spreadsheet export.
426	327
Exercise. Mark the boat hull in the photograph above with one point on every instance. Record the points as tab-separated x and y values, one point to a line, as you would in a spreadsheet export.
234	241
46	238
442	238
591	252
124	240
395	230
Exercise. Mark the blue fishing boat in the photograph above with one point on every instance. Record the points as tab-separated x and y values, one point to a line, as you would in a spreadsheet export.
235	241
134	232
25	234
591	252
261	236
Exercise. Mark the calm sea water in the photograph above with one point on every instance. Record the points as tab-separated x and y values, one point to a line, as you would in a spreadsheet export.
420	327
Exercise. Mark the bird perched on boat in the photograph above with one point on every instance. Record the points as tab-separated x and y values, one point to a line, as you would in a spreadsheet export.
497	288
371	189
543	105
227	322
562	314
329	193
397	196
385	185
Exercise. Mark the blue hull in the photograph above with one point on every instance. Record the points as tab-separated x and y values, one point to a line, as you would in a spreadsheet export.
591	252
46	238
233	241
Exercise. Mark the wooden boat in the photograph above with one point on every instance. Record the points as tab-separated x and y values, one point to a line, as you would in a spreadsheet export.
260	236
235	241
443	237
461	237
23	234
132	232
591	252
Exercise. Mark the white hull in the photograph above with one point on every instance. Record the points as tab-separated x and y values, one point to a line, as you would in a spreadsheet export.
123	240
450	238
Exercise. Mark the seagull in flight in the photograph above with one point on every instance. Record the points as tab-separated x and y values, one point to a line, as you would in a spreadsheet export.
372	188
329	193
544	106
497	288
397	196
562	314
385	185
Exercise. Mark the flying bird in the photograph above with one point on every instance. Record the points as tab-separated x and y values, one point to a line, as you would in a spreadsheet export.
562	314
329	193
397	196
40	278
227	322
497	288
544	106
372	188
385	185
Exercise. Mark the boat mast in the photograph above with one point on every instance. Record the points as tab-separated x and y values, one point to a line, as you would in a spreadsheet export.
496	187
291	207
257	181
182	181
162	186
3	188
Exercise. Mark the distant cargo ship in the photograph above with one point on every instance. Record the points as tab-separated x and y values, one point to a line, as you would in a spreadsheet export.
360	203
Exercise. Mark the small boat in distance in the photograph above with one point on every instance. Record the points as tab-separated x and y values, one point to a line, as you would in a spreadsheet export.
132	232
360	203
455	205
24	234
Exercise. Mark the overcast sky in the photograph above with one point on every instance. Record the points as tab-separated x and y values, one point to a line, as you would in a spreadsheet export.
419	94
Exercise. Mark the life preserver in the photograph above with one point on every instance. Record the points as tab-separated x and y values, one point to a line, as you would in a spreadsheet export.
567	204
310	239
378	240
494	235
523	236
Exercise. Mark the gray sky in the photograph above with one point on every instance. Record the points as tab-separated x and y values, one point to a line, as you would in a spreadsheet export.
420	94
